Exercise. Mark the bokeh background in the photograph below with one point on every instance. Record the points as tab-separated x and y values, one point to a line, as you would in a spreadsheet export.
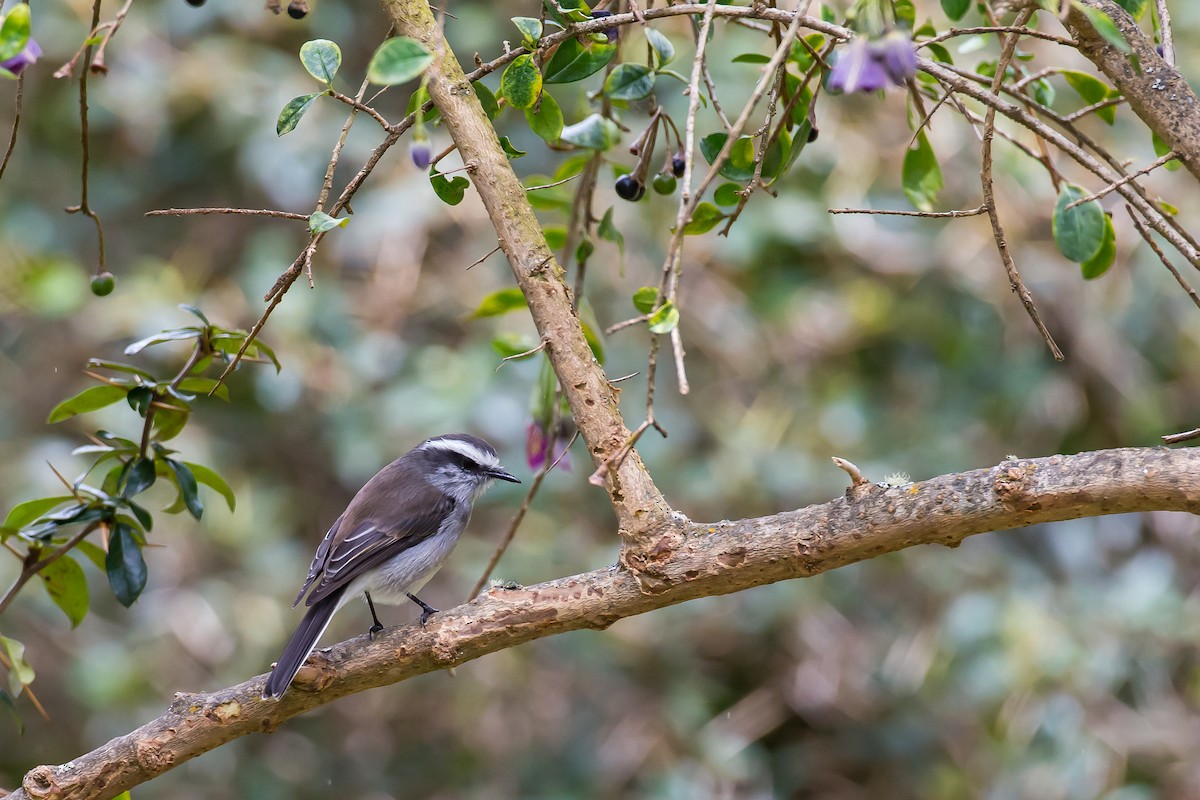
1055	662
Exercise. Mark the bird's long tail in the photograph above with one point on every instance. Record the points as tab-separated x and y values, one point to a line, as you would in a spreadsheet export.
300	645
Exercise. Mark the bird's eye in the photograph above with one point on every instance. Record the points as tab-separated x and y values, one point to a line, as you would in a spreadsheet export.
465	463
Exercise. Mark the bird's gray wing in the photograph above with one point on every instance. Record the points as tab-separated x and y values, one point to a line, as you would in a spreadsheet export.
318	562
371	543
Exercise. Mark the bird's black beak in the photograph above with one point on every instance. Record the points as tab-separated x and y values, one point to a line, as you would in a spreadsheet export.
500	474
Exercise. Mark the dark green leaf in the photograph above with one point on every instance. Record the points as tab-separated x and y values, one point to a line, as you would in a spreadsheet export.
521	82
665	319
500	302
321	58
139	399
1098	264
545	118
188	491
664	51
398	60
450	190
290	116
956	9
629	82
67	586
1135	7
139	478
584	250
124	564
739	166
751	58
509	148
595	133
214	481
195	311
574	61
144	518
645	298
921	175
319	222
1106	27
1092	90
89	399
703	220
24	513
487	100
1079	233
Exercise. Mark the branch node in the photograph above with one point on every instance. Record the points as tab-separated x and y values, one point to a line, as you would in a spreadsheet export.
856	476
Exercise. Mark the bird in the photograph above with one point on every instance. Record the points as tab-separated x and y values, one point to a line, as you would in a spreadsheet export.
395	534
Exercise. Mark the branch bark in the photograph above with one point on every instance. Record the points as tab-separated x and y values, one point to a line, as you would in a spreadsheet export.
689	560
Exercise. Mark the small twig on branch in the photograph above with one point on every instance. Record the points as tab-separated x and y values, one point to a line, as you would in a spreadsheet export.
1112	187
856	476
1176	438
250	212
1166	37
966	212
12	139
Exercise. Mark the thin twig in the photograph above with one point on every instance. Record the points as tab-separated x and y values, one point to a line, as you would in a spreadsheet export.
357	104
484	257
110	29
84	137
1164	31
1176	438
1112	187
12	139
967	212
249	212
989	197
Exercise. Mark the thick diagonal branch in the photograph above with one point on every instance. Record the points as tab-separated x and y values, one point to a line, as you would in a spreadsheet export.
593	401
689	560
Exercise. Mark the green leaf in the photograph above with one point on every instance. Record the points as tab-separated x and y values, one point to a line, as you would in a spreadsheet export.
194	311
1098	264
545	119
595	133
144	518
14	32
556	236
574	61
398	60
89	399
514	346
487	100
20	674
705	217
921	175
1161	148
510	150
24	513
727	194
214	481
450	190
67	586
751	58
1135	7
176	335
498	303
608	231
116	366
740	164
1092	90
169	422
664	51
629	82
139	399
1106	27
665	319
417	100
531	30
521	82
591	327
290	116
321	58
1079	233
645	298
189	492
139	477
319	222
124	564
956	9
201	385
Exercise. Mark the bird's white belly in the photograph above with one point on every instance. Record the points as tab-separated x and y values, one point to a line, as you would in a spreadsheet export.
407	572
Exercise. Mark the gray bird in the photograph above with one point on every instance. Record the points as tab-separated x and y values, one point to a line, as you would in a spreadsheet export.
395	534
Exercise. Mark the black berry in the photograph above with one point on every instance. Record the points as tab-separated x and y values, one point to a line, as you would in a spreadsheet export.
196	3
297	9
629	188
678	165
812	135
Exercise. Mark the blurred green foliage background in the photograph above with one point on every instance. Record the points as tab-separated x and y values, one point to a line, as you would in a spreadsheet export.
1057	662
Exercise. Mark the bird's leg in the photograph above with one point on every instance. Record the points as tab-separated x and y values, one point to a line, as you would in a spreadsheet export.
378	626
427	610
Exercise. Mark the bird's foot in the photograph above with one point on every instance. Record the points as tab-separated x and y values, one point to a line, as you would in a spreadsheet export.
427	610
374	631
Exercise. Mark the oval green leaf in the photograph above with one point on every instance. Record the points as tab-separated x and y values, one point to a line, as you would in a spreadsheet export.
664	51
321	58
574	61
1099	264
703	220
545	119
521	82
124	564
397	60
213	481
67	586
921	175
189	492
665	319
956	9
595	132
24	513
14	32
450	191
629	82
498	303
645	298
1079	233
319	222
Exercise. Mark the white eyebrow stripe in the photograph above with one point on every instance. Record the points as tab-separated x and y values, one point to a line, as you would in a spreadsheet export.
467	449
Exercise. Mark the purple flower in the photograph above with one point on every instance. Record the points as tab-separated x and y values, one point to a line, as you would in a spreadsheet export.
868	65
538	448
421	153
17	64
